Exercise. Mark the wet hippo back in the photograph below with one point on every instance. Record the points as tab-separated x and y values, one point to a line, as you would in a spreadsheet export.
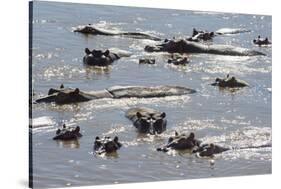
148	92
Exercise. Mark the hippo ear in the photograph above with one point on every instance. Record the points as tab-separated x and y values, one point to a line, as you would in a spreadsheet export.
61	86
76	91
97	138
87	51
115	139
176	133
106	53
163	115
77	129
139	115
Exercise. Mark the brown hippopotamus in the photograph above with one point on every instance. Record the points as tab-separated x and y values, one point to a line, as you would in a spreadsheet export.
147	120
106	145
68	133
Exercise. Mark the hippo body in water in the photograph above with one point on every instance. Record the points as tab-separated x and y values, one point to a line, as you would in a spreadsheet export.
147	120
90	29
68	133
209	150
106	145
184	46
229	82
70	95
181	142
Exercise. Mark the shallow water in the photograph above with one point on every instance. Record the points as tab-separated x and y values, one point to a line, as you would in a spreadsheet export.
237	119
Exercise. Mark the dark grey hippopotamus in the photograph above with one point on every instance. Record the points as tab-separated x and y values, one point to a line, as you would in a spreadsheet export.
68	133
260	41
90	29
181	142
209	150
229	82
70	95
147	120
184	46
106	145
100	58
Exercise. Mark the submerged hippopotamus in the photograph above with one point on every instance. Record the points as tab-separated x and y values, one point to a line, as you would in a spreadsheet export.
181	142
146	61
90	29
68	133
69	95
209	150
260	41
230	82
147	120
184	46
201	35
106	145
177	59
100	58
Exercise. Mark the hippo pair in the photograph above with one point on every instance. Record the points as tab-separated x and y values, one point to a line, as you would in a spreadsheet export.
188	142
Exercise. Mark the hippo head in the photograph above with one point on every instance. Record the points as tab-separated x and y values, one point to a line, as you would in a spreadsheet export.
72	96
151	123
171	46
106	145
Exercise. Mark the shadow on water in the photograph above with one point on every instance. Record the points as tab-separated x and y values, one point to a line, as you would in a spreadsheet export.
68	144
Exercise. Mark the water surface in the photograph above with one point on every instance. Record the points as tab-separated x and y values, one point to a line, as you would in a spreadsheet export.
242	118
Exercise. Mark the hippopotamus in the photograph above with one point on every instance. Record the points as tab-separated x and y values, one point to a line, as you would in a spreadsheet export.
177	59
260	41
198	35
100	58
69	95
90	29
68	133
181	142
230	82
184	46
147	120
147	61
106	145
209	150
227	31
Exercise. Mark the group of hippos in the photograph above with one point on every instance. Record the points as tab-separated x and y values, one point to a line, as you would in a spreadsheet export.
147	120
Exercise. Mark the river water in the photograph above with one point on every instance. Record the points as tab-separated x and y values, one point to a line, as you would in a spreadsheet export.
241	118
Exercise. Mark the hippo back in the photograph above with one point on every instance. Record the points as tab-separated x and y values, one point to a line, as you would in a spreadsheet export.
148	92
